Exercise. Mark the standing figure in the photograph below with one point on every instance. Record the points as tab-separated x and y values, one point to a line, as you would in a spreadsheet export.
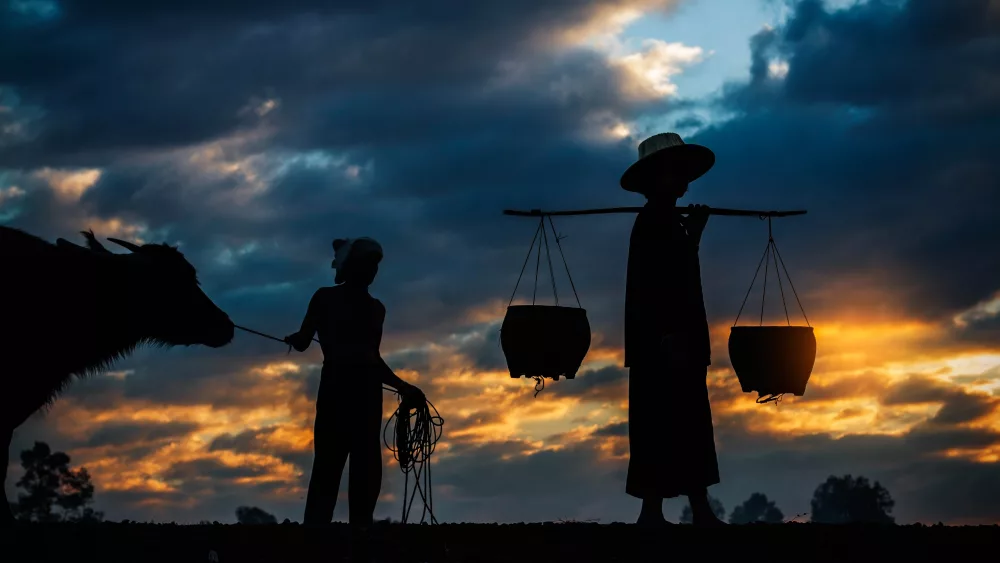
349	402
667	343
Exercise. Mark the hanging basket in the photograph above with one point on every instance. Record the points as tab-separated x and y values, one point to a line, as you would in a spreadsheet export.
544	341
772	360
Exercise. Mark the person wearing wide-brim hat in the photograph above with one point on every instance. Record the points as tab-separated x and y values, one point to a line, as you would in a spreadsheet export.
349	401
667	344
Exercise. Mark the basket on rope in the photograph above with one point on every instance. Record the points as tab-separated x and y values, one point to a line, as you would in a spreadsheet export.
772	360
544	341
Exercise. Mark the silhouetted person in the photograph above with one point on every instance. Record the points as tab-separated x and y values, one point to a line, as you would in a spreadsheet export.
349	402
667	345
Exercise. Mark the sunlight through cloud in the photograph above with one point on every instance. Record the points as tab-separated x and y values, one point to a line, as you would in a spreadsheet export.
652	69
70	185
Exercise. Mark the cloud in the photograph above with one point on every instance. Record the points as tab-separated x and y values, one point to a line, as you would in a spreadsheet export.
603	384
72	184
119	433
10	193
650	71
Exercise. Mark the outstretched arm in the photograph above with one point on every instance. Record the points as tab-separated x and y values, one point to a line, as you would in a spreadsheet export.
300	340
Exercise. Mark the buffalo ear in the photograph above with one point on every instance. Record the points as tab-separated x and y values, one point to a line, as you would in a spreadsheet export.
337	243
92	242
128	245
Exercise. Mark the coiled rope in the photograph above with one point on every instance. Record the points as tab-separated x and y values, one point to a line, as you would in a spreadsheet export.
415	434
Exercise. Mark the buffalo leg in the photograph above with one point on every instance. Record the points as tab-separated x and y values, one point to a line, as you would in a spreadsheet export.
5	437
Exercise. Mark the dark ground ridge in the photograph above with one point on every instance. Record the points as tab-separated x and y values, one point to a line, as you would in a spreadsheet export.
481	543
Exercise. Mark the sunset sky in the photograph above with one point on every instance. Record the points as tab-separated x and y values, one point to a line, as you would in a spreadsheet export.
253	133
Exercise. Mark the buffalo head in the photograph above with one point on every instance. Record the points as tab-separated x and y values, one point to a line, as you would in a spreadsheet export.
166	300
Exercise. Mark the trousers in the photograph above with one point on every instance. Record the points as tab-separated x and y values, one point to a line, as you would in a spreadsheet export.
348	424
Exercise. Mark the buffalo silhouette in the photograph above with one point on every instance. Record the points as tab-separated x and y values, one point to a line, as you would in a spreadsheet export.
71	311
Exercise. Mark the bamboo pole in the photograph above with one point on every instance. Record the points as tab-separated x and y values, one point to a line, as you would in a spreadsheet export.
601	211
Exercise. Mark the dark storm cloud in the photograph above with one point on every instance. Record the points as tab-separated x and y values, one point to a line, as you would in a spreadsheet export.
618	430
604	384
966	407
883	129
472	420
186	377
423	125
917	389
246	441
482	347
957	405
128	433
110	78
210	469
849	386
983	331
255	442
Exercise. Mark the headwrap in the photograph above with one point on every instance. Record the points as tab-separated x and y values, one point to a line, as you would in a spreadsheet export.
362	247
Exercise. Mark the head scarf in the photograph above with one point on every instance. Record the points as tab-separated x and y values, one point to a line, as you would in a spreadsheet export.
362	247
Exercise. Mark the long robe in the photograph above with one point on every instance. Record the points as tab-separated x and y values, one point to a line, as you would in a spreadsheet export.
671	439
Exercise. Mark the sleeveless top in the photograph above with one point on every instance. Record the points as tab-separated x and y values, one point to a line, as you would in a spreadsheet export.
348	321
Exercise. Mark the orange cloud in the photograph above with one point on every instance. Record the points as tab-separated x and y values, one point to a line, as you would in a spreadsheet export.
861	369
70	185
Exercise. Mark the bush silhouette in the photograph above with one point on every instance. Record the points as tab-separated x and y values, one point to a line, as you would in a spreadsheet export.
687	517
757	508
842	500
254	516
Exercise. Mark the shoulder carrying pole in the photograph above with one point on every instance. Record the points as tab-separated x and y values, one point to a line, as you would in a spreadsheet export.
605	210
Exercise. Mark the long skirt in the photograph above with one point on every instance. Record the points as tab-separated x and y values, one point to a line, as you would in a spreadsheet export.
671	439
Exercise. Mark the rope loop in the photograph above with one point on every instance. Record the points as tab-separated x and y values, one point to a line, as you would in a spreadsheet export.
539	384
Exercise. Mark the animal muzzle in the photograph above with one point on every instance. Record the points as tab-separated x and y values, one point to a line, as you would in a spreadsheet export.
221	332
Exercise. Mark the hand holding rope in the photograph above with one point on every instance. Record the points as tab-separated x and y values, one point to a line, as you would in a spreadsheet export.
415	434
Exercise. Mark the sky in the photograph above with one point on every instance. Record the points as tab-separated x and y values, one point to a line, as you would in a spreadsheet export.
251	134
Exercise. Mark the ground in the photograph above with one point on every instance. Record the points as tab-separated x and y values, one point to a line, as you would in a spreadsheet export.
550	542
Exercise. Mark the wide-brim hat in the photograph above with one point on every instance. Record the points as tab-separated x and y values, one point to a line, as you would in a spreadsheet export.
664	157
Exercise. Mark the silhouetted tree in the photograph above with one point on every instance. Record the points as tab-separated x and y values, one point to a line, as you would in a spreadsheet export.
846	499
49	483
254	515
757	509
687	517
